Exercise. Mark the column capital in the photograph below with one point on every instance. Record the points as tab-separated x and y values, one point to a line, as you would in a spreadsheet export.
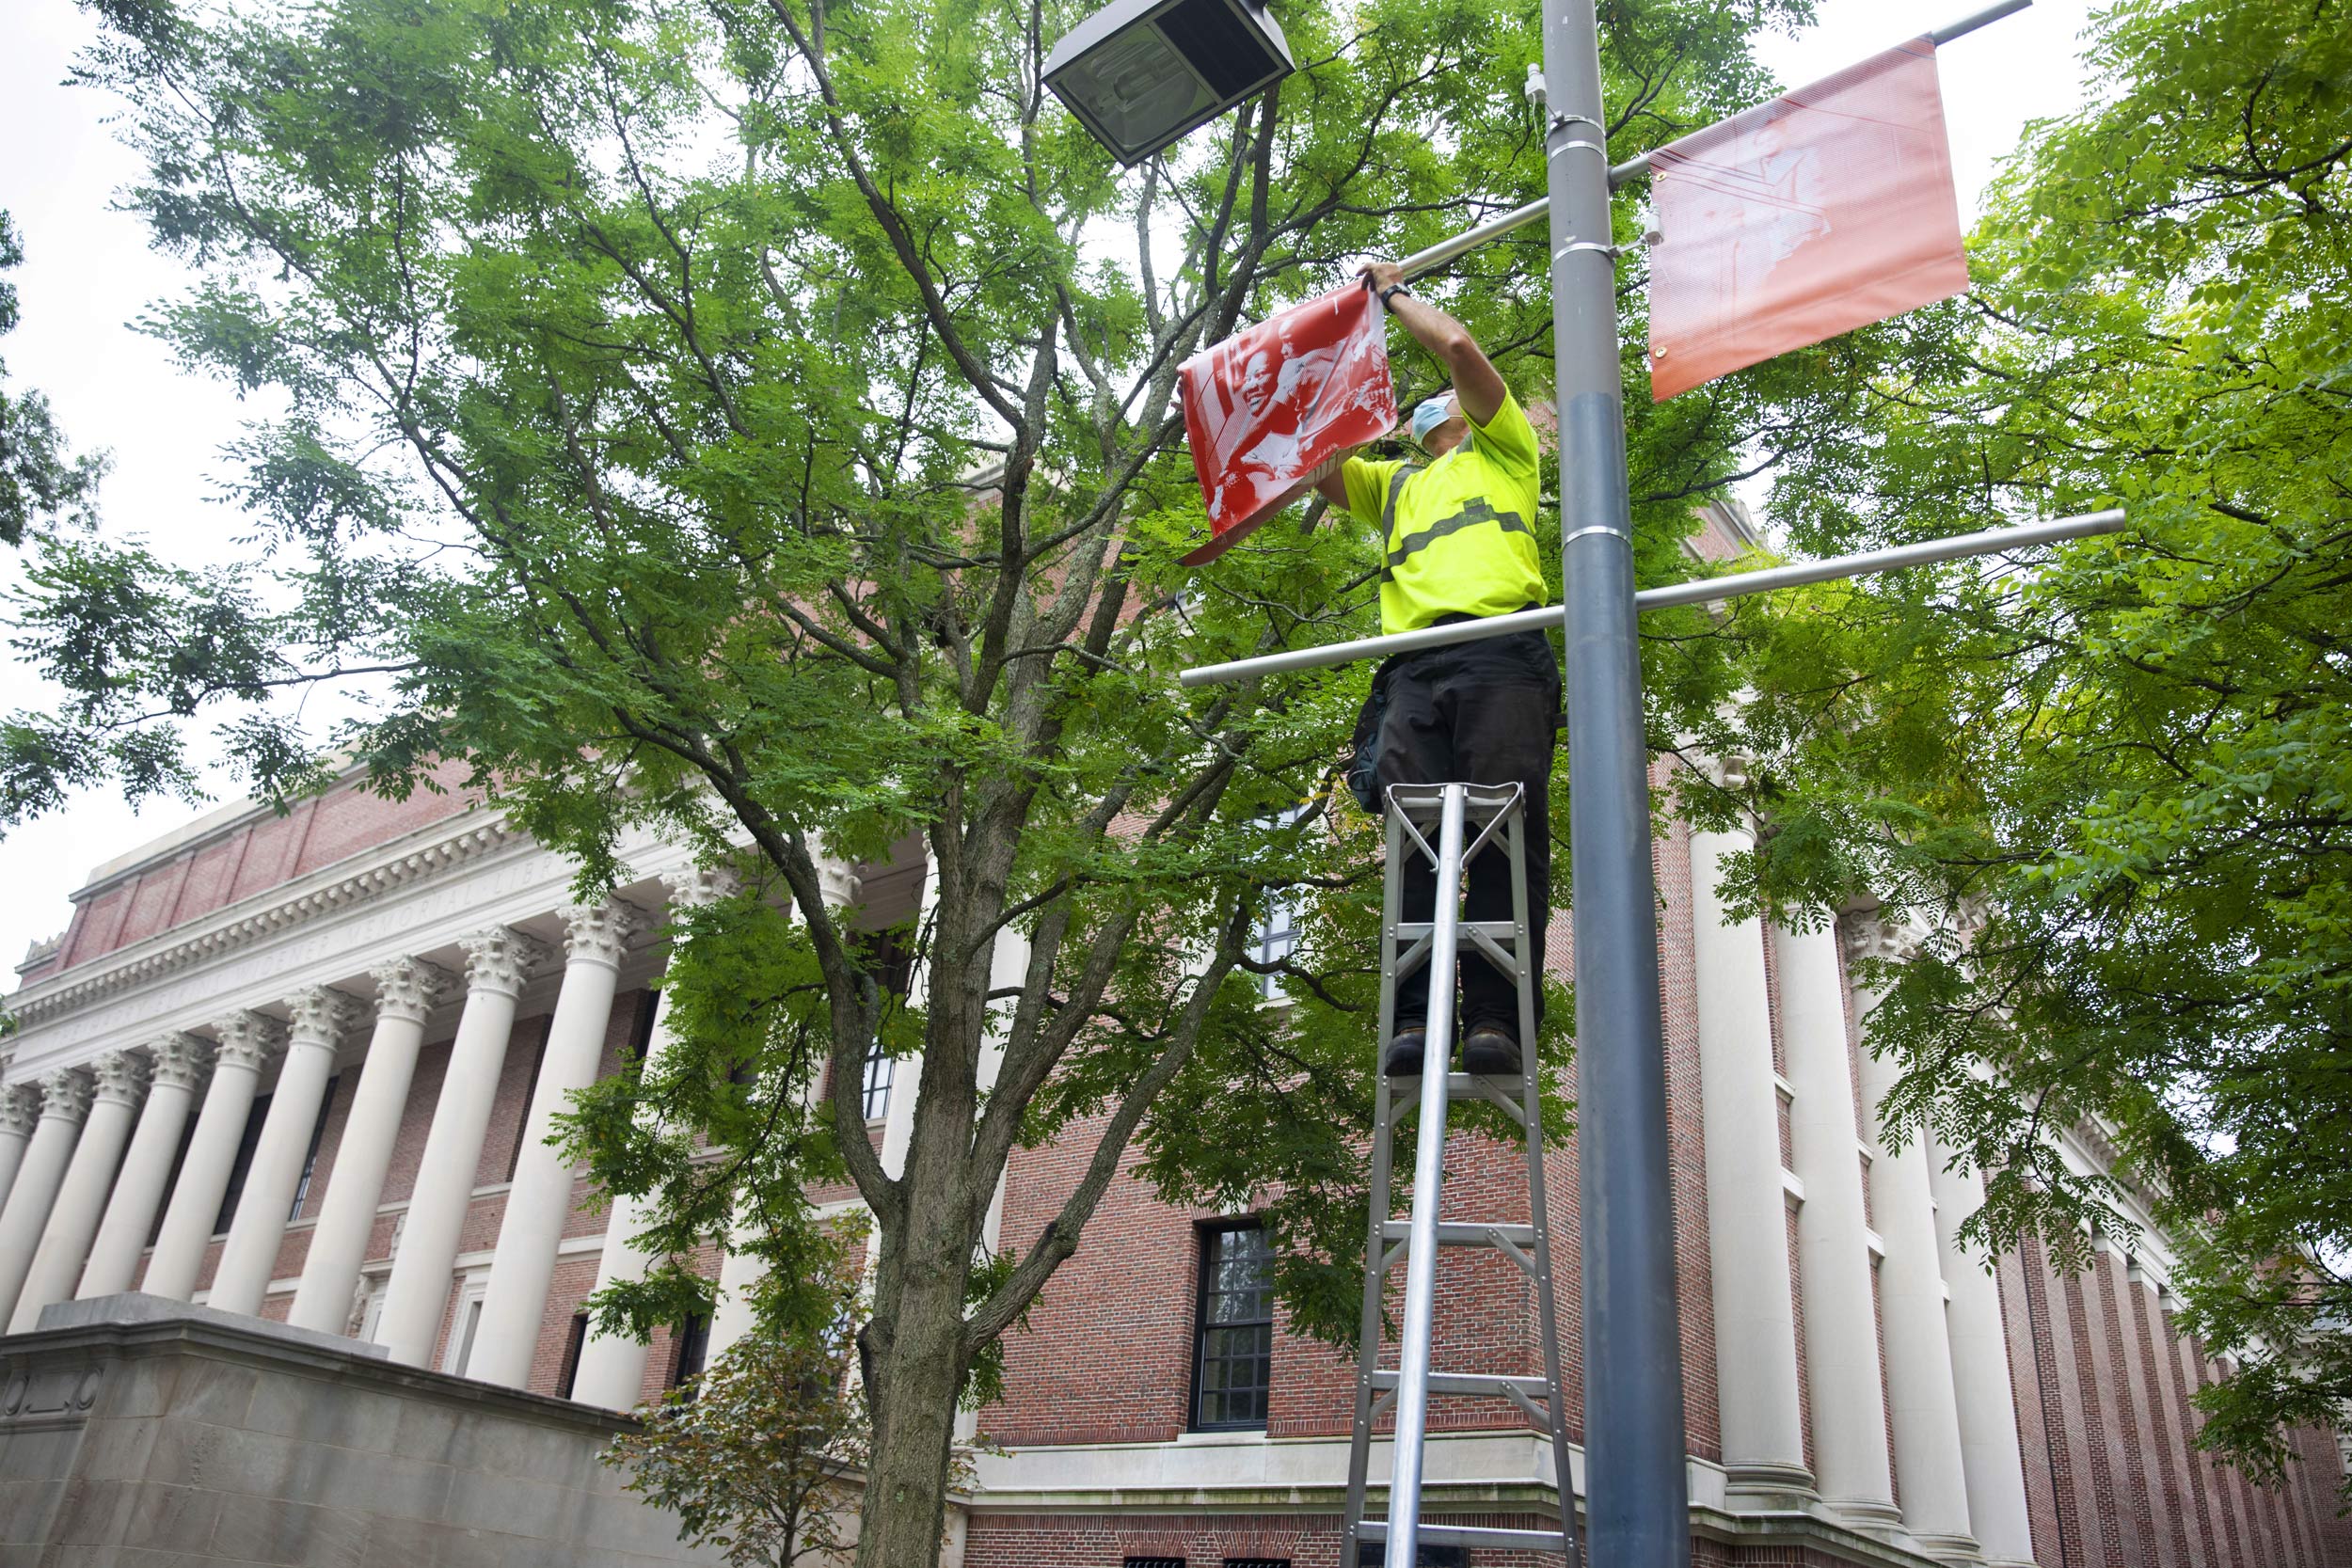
180	1060
248	1039
122	1077
1870	935
66	1094
600	933
20	1108
838	880
499	958
407	987
1732	770
693	886
322	1015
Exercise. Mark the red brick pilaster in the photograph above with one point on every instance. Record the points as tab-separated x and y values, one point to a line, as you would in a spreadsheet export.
2185	1502
2030	1375
2101	1428
2135	1433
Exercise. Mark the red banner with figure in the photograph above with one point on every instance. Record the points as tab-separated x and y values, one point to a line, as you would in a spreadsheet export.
1827	208
1271	410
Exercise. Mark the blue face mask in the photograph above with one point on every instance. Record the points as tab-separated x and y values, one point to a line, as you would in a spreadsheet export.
1430	415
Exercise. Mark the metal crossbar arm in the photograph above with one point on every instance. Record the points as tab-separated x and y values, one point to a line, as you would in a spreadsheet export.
1423	262
1699	591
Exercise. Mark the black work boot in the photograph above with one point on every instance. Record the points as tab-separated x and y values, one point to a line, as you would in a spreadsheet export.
1403	1058
1491	1051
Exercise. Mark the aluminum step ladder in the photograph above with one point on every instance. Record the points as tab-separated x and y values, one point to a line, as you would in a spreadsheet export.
1493	815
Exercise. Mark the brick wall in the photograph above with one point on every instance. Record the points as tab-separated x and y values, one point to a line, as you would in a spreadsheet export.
2113	1479
245	857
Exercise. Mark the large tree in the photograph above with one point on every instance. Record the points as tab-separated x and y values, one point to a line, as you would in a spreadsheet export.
2127	777
753	419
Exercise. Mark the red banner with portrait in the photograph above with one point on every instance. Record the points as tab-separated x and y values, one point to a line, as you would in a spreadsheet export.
1271	410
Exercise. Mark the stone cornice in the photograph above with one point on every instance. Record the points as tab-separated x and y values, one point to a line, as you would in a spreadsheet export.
291	904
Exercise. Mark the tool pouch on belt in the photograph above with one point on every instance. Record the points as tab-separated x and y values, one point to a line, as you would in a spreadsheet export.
1363	756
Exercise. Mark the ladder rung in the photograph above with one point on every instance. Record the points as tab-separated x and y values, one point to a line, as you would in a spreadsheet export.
1450	1234
1493	1385
1404	1094
1458	1086
1469	1535
1413	930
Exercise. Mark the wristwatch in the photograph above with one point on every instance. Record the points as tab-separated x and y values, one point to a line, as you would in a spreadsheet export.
1389	292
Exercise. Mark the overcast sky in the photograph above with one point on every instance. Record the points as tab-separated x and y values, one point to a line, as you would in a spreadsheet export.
88	275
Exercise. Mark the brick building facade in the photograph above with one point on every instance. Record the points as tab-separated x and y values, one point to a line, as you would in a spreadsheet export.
297	1067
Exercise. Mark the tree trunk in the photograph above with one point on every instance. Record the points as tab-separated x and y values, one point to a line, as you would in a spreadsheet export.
918	1366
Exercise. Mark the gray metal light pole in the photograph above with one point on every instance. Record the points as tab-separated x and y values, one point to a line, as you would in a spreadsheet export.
1636	1493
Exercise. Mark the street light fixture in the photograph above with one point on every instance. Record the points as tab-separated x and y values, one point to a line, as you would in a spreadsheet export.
1140	73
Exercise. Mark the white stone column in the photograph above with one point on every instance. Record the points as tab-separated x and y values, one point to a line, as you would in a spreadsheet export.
321	1018
405	989
1756	1320
539	1200
1994	1467
20	1113
498	961
611	1369
1850	1465
89	1176
740	1269
1920	1398
245	1044
179	1064
65	1097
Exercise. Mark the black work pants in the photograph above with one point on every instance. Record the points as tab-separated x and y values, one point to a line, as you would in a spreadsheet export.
1486	713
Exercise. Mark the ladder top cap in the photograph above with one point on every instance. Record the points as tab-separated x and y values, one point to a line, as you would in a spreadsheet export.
1423	801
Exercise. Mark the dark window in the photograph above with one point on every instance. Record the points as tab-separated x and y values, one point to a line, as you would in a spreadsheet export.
889	958
1150	1562
311	1157
242	1166
880	1071
1257	1562
572	1343
640	1034
1233	1363
1372	1554
1278	938
531	1092
694	1348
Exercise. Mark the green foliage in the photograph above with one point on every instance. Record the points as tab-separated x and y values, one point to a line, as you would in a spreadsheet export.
39	483
760	1455
2126	771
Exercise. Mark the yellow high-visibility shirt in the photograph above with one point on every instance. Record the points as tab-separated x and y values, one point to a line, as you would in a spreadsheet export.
1460	533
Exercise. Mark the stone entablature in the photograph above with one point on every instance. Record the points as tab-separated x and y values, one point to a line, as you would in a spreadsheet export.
416	896
279	909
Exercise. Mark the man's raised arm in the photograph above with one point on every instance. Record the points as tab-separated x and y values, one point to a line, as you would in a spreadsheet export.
1476	383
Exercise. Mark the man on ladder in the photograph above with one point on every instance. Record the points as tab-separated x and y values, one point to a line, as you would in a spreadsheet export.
1458	532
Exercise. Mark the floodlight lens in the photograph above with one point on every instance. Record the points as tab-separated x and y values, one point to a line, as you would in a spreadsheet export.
1135	87
1140	73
